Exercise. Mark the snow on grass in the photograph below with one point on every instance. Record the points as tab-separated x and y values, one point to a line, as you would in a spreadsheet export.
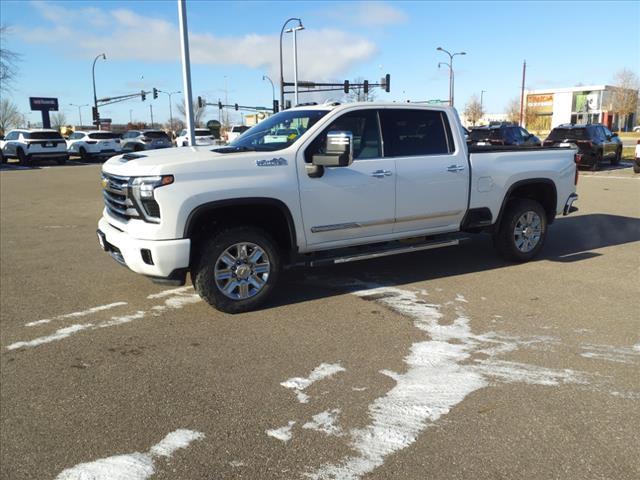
132	466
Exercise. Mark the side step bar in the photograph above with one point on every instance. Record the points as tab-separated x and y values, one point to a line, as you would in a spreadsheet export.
385	251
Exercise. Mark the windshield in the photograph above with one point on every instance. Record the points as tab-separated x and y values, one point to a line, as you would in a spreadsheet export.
277	132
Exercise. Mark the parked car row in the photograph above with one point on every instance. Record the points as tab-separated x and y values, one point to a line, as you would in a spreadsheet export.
30	145
595	142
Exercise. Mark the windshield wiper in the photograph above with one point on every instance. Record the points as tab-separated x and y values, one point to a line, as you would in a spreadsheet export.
234	149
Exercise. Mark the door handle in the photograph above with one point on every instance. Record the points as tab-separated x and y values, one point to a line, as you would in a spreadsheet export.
455	168
381	173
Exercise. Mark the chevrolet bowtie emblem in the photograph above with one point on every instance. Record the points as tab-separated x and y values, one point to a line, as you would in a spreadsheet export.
104	182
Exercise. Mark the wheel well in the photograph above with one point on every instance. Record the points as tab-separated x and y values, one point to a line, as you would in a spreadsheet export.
543	192
270	215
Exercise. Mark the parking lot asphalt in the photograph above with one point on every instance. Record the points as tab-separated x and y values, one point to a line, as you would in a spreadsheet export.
445	364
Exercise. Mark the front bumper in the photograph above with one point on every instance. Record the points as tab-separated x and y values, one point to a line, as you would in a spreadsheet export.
154	258
568	206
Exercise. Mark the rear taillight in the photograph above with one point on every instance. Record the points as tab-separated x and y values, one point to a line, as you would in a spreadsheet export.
577	158
92	142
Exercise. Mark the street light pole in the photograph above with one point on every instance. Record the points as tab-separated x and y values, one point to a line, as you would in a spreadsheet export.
451	75
273	89
281	71
93	74
170	106
295	62
79	110
482	92
186	70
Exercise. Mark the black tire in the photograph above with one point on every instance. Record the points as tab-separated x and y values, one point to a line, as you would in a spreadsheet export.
504	239
138	148
3	159
636	167
23	158
62	160
209	259
617	157
595	166
83	154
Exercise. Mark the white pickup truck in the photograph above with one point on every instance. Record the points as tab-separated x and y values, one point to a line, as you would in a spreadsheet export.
356	181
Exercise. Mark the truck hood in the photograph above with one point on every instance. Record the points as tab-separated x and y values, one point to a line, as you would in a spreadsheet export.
187	160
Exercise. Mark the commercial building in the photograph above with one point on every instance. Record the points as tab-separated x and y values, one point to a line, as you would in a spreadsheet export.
546	109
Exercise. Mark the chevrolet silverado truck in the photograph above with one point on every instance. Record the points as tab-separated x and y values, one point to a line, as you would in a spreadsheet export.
351	182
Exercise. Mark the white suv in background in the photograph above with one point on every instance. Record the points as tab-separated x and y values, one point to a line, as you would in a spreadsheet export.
235	131
30	145
203	137
94	143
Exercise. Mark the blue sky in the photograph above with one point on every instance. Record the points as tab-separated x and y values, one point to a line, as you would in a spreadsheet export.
564	44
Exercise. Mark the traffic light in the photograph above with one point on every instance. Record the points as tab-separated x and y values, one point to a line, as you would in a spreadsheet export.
143	95
200	102
155	93
387	83
96	115
236	106
275	106
366	86
346	86
219	105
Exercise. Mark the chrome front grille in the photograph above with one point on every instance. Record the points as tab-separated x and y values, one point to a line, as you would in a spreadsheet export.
116	197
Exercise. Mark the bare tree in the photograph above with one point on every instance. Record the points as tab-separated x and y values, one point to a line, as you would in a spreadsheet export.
198	112
8	61
513	110
624	98
357	93
473	109
10	117
58	120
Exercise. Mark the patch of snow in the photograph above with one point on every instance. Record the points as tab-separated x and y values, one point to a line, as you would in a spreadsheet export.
283	433
132	466
298	384
325	422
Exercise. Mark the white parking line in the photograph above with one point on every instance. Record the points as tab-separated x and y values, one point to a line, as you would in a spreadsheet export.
175	300
83	313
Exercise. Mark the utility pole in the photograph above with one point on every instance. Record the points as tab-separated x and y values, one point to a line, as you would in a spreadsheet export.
151	111
186	70
130	115
524	74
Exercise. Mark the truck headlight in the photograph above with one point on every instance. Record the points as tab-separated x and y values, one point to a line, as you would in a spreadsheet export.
142	192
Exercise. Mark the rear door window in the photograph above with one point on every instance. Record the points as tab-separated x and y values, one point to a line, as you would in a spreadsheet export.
103	136
409	133
156	135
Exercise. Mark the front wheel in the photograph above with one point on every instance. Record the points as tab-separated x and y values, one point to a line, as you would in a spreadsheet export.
522	230
237	269
618	156
23	158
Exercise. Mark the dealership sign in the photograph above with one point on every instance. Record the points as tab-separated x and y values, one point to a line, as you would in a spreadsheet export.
540	104
43	103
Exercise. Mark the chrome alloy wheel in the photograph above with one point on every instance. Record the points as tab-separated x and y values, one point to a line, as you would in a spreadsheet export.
528	231
242	271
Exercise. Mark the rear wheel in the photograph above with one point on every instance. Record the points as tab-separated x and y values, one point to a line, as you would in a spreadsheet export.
522	231
23	158
84	156
237	269
62	160
596	162
636	166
